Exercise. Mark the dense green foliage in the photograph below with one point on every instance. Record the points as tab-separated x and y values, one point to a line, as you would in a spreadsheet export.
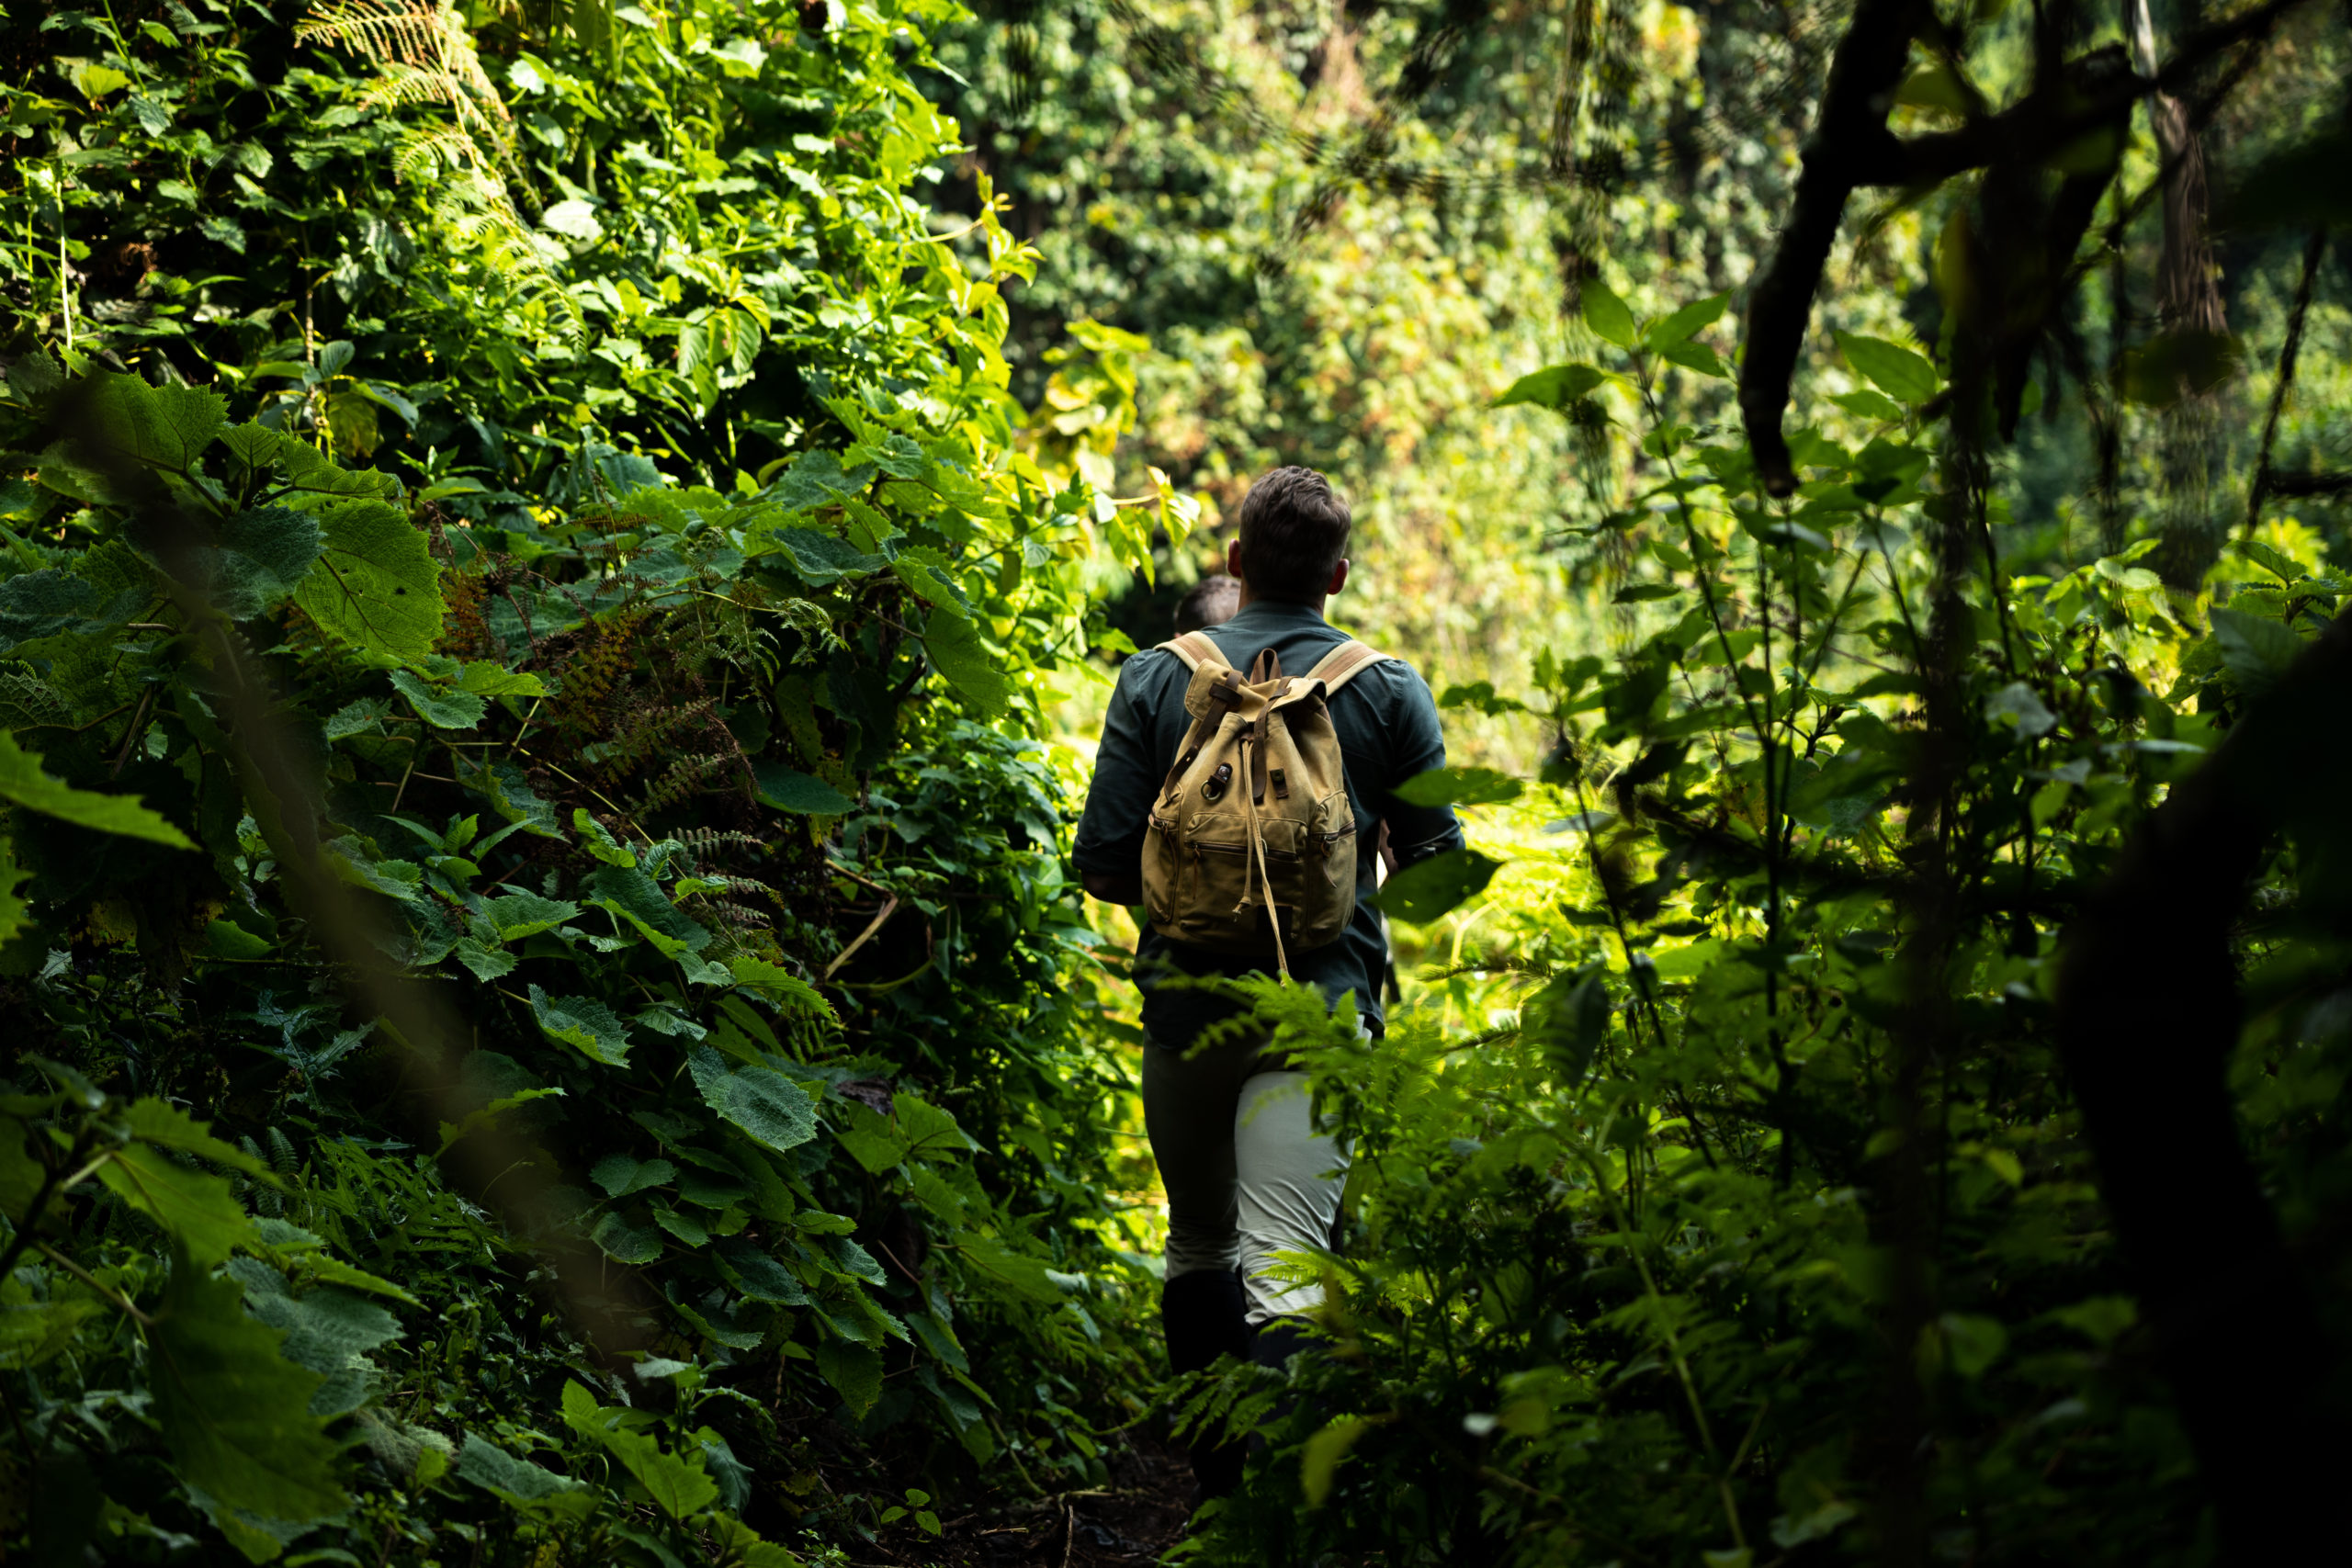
617	769
549	554
1627	1246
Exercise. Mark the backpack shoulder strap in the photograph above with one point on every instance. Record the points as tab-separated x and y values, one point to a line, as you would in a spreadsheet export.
1195	649
1344	663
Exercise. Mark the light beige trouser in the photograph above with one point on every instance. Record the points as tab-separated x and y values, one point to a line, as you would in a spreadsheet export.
1249	1172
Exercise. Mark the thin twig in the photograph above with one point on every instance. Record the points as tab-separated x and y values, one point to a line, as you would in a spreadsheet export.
108	1292
2259	490
872	926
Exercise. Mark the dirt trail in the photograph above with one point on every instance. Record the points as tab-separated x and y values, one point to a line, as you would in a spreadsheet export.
1133	1520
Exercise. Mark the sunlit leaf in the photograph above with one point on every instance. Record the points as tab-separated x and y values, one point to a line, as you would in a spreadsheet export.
22	781
1554	386
1320	1461
1605	313
788	790
1459	786
377	587
1429	889
1900	373
583	1023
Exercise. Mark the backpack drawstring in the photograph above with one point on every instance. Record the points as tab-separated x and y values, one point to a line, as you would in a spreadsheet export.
1257	849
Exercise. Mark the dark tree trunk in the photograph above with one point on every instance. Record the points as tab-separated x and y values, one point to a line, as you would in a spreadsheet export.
2148	1016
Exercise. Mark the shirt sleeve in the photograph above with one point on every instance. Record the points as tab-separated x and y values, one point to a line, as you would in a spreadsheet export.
1416	744
1118	803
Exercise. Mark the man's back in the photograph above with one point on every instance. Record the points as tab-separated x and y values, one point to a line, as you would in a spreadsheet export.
1388	731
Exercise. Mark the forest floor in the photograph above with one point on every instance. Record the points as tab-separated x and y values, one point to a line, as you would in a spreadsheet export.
1133	1520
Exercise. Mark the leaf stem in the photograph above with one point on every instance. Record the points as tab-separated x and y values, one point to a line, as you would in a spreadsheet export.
121	1301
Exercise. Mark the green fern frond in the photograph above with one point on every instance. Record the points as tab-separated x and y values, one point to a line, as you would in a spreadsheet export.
737	916
424	44
683	778
641	732
702	842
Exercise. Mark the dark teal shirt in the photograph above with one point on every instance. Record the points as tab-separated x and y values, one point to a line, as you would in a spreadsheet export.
1388	731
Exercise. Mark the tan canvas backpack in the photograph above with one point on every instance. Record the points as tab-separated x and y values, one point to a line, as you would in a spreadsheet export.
1251	847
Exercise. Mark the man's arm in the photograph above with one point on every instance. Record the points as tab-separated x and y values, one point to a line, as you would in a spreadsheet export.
1112	888
1109	852
1416	744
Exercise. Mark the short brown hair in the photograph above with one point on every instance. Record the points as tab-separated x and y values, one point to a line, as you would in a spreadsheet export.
1294	531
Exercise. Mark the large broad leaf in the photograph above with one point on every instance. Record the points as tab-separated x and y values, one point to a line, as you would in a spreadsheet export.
822	559
771	1108
1697	316
1426	890
989	1262
626	1243
1459	786
166	426
1554	386
855	1373
931	1133
328	1330
583	1023
873	1141
790	993
22	781
301	468
1898	371
443	709
263	556
759	1276
679	1484
815	477
955	646
1695	356
788	790
42	604
511	795
517	915
377	587
519	1481
932	576
2255	650
195	1208
158	1122
635	897
234	1413
490	679
15	913
1605	313
622	1174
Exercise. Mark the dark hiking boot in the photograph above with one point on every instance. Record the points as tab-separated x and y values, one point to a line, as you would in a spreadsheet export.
1203	1316
1272	1345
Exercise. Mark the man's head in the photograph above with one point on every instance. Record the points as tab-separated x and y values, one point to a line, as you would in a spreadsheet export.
1211	602
1293	542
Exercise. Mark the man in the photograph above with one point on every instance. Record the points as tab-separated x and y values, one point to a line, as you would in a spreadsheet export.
1249	1173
